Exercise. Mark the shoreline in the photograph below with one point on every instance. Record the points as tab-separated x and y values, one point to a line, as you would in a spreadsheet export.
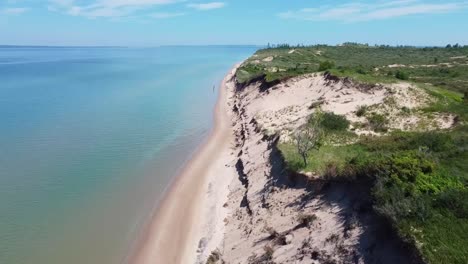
174	231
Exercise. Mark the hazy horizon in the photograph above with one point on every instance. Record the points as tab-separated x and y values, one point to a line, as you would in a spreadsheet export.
214	45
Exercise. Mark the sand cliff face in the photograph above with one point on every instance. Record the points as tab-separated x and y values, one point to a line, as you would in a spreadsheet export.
275	216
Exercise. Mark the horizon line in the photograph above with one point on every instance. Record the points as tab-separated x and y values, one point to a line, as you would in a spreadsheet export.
126	46
224	45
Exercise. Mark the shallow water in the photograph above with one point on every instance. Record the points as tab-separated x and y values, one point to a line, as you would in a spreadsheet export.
89	140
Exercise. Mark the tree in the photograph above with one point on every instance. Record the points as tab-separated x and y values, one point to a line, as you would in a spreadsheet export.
309	136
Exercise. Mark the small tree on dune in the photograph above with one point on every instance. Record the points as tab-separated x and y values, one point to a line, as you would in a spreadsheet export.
309	136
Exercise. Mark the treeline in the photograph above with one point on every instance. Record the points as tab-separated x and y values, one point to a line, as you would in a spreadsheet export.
356	44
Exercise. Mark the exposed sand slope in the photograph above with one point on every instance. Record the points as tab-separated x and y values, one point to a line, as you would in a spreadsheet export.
192	207
266	203
287	105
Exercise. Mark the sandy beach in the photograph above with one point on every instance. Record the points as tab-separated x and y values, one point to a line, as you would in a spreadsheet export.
188	222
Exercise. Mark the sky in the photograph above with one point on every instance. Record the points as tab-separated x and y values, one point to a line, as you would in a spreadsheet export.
235	22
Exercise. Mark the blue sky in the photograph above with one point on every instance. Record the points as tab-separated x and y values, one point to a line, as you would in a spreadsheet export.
166	22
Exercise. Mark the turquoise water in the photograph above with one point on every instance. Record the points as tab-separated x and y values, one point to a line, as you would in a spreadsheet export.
89	140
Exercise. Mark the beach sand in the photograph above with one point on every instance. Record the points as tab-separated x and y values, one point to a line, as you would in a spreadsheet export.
188	222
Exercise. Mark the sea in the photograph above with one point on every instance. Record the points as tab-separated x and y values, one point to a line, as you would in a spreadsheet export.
90	139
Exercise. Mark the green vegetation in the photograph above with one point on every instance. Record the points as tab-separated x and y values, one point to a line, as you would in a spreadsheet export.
326	65
377	122
421	187
420	179
319	160
402	75
333	122
361	111
309	136
420	184
442	67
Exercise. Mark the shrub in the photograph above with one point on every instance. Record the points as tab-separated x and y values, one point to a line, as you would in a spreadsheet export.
378	122
455	200
306	219
405	110
331	171
272	232
214	257
333	122
402	75
333	238
394	204
269	251
434	141
361	71
401	190
407	167
316	104
326	65
361	111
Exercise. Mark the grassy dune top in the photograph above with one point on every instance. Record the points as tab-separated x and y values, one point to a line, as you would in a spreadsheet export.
443	67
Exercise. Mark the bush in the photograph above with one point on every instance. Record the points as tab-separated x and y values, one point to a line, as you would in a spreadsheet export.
272	232
361	71
394	204
378	122
333	122
402	75
306	219
405	110
326	65
434	141
316	104
455	200
269	251
214	257
361	111
401	191
331	172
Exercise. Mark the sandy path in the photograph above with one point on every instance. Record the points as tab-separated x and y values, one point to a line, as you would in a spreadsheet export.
175	231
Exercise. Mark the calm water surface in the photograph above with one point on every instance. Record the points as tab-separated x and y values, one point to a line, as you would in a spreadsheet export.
89	140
